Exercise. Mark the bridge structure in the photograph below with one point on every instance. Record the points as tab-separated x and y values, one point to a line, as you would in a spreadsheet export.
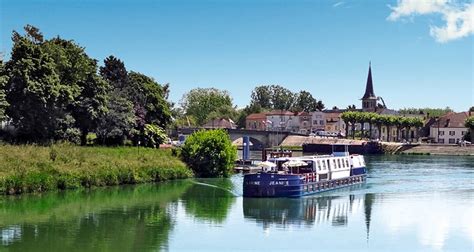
259	138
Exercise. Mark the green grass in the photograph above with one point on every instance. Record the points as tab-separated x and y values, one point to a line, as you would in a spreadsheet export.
30	168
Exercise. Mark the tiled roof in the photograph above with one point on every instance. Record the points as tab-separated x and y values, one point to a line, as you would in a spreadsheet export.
452	120
257	116
281	112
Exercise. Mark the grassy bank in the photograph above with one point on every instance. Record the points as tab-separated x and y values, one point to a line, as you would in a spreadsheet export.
29	168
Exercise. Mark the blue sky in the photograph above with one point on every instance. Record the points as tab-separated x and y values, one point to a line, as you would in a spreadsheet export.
324	47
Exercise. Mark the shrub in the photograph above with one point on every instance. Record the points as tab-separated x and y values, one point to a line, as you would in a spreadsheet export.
153	136
209	153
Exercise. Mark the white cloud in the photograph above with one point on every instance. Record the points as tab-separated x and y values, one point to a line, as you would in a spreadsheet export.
458	17
337	4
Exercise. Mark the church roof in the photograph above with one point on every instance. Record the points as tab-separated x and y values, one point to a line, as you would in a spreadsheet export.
369	87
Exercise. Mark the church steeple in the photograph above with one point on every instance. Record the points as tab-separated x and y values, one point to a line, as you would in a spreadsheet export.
369	100
369	87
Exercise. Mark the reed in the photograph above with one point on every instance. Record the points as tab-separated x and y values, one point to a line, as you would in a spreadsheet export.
31	168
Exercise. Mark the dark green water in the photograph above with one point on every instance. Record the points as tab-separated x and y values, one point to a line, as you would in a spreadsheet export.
410	203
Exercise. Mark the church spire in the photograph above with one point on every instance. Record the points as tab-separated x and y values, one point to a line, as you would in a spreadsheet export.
369	87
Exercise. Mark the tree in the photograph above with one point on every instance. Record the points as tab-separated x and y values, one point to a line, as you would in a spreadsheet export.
79	72
282	98
36	96
469	123
350	117
262	97
201	102
115	73
305	102
146	93
118	123
209	153
3	82
432	112
351	107
153	136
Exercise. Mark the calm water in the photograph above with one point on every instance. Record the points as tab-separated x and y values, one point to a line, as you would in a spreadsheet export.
409	203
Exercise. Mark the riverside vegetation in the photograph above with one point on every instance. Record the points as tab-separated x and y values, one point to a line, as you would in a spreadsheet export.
30	168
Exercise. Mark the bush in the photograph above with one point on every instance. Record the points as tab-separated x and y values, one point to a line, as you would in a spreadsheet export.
209	153
153	136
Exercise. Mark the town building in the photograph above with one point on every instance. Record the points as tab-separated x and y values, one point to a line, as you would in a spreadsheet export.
449	129
334	122
304	126
318	121
282	120
257	121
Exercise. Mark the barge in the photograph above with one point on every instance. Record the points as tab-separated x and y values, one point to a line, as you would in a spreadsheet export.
306	175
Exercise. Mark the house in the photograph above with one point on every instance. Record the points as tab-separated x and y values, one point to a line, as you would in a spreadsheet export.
449	129
334	122
283	120
220	123
257	121
318	121
304	119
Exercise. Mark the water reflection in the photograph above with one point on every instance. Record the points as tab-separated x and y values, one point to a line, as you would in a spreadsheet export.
209	202
115	219
308	211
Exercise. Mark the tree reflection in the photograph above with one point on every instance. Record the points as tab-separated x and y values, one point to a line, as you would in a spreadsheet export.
124	218
209	202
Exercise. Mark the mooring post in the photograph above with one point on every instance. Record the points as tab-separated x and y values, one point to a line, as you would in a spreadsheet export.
246	148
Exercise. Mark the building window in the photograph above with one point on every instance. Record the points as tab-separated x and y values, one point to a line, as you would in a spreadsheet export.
452	140
451	133
441	132
441	141
463	133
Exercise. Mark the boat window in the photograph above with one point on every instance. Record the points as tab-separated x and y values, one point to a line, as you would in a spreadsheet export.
334	163
347	162
318	164
339	163
329	164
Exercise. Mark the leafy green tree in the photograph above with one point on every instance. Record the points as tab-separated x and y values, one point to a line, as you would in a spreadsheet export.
202	102
282	98
433	112
153	136
36	96
305	102
79	72
146	93
118	123
209	153
3	82
262	97
469	123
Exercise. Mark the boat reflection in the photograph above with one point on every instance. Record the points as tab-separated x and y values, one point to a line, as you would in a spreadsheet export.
285	212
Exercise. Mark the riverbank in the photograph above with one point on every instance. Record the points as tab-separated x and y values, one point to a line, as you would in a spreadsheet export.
29	168
385	147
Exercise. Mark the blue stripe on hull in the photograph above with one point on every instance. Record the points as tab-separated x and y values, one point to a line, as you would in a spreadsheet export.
278	185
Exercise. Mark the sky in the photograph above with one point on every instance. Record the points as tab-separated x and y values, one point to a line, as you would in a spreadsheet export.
421	51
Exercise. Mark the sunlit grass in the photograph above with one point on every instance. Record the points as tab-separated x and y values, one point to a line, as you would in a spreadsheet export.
30	168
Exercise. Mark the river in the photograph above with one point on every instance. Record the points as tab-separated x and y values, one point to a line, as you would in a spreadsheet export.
409	203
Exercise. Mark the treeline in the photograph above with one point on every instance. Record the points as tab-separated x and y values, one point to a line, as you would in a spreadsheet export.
201	105
51	90
351	118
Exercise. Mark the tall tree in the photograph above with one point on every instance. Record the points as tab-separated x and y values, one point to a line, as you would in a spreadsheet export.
262	96
79	72
306	102
146	93
37	98
3	82
201	102
119	121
